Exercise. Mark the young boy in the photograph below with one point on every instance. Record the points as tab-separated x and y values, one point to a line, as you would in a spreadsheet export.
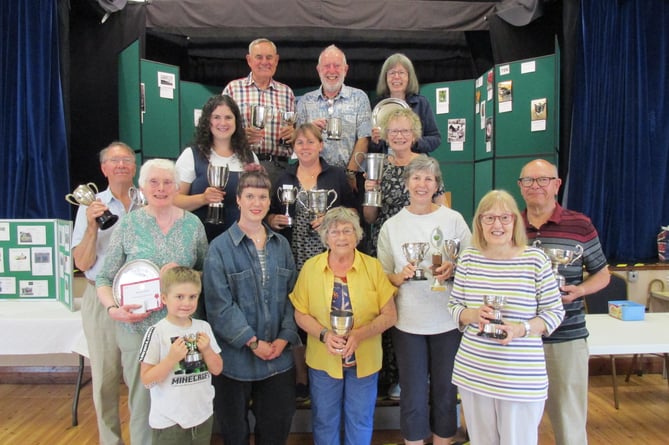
178	356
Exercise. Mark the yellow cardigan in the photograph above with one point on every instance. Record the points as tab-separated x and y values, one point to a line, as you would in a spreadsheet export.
369	290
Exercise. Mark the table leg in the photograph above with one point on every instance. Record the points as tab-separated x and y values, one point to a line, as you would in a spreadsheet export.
615	383
77	390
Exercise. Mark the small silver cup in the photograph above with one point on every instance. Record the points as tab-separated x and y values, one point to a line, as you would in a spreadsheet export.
560	257
342	324
316	200
414	253
287	195
137	197
85	195
333	129
491	330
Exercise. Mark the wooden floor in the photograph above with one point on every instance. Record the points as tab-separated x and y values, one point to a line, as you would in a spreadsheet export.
40	414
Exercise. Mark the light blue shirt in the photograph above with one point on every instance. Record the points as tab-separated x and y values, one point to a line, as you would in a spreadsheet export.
81	224
351	105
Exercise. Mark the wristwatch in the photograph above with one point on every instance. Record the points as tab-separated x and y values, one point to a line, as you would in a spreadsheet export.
253	345
321	337
527	328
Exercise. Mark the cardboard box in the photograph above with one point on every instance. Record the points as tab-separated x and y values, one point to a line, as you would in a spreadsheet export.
626	310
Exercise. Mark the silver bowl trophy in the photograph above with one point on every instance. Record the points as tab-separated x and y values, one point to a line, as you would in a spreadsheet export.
491	330
374	170
287	195
137	197
316	200
333	128
289	118
342	323
85	195
218	176
414	253
560	257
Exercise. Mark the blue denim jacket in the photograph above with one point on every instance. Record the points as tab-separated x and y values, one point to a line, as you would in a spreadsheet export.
239	306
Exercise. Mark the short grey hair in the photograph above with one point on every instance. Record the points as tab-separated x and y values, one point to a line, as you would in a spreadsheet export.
104	151
332	48
413	87
423	163
158	164
259	41
339	215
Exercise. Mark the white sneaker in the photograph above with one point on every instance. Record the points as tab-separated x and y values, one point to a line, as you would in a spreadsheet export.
394	392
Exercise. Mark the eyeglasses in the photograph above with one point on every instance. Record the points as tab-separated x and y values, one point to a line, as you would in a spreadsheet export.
542	181
397	73
334	233
395	132
504	218
117	161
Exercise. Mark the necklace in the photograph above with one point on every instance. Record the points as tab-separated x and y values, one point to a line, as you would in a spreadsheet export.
257	235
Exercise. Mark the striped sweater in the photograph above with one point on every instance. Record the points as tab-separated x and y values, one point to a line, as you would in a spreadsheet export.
516	371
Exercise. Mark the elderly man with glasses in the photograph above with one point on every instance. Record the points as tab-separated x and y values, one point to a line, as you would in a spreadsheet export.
566	349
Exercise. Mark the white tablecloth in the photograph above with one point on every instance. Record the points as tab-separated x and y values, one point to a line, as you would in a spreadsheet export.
40	327
610	336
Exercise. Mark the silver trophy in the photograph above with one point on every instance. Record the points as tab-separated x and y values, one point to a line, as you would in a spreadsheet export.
218	176
342	324
492	330
437	242
560	257
193	362
333	128
137	197
259	114
85	195
289	118
287	195
316	200
374	170
414	253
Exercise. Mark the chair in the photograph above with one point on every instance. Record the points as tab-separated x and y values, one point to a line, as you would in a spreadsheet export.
598	303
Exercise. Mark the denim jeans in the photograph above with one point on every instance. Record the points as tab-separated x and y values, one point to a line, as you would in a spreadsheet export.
351	396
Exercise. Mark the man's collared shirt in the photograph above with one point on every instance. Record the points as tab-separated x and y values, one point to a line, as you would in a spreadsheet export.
278	97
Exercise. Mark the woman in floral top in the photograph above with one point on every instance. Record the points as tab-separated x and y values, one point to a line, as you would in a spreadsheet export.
165	235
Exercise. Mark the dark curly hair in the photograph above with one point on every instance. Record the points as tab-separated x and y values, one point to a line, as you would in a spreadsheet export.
203	138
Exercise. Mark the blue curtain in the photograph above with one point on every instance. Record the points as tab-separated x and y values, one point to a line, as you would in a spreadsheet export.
34	173
619	165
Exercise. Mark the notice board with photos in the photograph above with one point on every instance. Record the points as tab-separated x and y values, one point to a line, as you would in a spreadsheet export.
36	260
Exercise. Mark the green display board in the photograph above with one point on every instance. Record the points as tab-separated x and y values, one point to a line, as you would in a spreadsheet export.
161	110
526	107
484	127
129	109
36	260
193	97
459	180
452	103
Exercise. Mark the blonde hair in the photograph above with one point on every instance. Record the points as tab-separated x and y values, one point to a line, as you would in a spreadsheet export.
179	275
503	199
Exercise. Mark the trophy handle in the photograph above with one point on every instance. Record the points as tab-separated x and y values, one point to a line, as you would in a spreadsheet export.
355	158
333	199
70	198
94	187
578	253
300	193
536	243
226	176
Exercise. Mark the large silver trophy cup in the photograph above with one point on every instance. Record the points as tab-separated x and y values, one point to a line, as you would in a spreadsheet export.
451	251
414	253
85	195
287	194
342	325
374	170
317	201
492	330
560	257
218	176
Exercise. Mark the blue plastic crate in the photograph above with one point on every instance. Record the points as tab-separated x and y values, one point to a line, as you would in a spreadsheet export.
626	310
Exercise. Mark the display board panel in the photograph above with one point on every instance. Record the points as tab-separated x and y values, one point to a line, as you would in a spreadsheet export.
36	260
